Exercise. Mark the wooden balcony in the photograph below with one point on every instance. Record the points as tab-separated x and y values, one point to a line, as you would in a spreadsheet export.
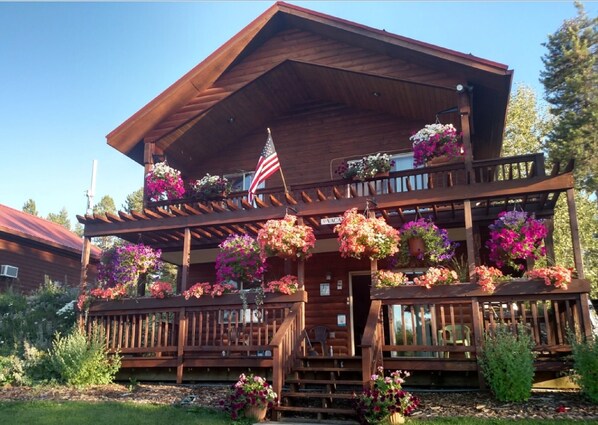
407	327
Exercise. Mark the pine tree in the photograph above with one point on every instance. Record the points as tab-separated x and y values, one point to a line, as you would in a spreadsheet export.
30	207
61	218
570	81
134	201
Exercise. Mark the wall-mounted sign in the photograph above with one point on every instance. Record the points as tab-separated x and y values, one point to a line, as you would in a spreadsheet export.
324	289
331	220
341	319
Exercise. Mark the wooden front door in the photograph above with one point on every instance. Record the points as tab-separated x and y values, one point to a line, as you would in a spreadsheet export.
360	306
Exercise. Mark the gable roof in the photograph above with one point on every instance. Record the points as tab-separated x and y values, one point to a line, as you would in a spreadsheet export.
491	79
27	226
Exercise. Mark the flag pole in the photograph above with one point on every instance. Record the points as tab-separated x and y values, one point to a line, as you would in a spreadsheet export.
279	168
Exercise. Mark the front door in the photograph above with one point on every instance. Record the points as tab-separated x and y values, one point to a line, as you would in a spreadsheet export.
360	307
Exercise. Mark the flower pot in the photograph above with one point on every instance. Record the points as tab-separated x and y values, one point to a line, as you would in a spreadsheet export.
396	418
444	159
258	413
417	247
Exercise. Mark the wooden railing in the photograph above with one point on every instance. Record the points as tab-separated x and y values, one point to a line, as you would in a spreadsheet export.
371	343
287	345
175	332
484	171
443	328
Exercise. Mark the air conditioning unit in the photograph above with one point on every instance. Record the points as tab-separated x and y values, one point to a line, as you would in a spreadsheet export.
9	271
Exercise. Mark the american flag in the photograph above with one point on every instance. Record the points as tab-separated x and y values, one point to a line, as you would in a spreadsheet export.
266	166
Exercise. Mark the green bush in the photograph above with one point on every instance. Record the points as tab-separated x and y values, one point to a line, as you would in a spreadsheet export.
11	371
585	358
507	362
80	360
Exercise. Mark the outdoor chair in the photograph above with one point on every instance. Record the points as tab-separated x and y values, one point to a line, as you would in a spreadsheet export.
455	335
320	336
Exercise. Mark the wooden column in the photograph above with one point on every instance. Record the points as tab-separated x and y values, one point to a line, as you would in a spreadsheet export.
577	257
549	241
186	260
85	254
148	163
301	264
471	255
373	263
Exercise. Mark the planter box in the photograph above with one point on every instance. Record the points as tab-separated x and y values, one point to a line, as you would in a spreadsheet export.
179	301
468	290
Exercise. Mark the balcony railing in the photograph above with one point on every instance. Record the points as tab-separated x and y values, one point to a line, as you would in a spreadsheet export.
442	176
180	333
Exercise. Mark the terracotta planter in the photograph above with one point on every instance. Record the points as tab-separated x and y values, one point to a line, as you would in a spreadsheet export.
377	176
444	159
257	413
417	246
396	419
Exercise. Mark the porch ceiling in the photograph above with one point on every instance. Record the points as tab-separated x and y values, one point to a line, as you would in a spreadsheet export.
287	88
210	223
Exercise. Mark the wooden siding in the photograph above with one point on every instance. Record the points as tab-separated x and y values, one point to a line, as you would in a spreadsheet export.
303	46
36	262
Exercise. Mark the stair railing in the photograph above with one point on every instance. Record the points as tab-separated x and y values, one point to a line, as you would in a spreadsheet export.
286	345
371	343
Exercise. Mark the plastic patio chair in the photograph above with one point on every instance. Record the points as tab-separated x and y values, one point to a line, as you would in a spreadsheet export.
320	336
455	335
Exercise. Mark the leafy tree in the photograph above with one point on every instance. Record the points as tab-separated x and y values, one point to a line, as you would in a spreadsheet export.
526	125
61	218
105	205
134	201
570	81
30	207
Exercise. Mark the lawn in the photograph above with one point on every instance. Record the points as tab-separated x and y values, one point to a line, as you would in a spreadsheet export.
111	413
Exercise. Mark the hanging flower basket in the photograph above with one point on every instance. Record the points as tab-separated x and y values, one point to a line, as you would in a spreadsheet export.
436	141
164	183
210	188
286	239
239	260
516	236
371	237
422	240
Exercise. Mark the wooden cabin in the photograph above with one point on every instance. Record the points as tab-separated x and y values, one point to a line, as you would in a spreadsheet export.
331	90
34	250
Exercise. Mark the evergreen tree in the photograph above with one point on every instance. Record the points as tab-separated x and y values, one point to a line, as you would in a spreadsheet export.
570	81
134	201
61	218
105	205
30	208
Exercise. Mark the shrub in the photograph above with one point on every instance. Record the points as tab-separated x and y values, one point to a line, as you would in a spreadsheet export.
11	371
79	359
585	358
507	362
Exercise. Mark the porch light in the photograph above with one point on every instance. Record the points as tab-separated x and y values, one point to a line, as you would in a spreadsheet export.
328	275
231	119
376	94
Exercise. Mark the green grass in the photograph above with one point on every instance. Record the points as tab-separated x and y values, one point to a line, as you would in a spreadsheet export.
105	413
112	413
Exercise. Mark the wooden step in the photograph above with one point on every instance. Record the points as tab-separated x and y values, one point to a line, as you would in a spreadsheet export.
339	357
326	369
310	394
332	411
323	381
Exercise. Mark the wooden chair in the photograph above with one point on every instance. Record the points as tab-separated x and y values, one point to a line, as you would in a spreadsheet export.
455	335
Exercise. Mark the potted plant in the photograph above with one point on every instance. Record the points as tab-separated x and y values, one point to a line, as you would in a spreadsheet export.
239	260
287	285
164	183
250	397
368	167
557	276
389	279
161	289
435	144
488	277
211	187
360	236
516	236
285	238
426	242
385	401
205	288
437	276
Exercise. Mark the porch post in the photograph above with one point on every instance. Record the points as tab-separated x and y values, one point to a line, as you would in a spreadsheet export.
465	112
300	265
85	253
471	256
186	259
549	241
148	162
575	234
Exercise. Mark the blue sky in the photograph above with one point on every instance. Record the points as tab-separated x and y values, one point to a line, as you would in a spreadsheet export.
72	72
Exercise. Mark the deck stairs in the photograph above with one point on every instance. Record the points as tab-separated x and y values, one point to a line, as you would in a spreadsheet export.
320	389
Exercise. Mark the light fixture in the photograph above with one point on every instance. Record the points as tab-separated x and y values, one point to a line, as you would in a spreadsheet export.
462	88
376	94
231	119
328	275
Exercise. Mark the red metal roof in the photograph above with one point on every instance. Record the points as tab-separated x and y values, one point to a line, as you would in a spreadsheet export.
37	229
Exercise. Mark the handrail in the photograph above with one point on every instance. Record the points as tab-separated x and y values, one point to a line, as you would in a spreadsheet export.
285	345
371	343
